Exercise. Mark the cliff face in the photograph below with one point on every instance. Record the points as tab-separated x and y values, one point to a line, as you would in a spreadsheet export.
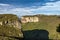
11	20
10	26
15	24
26	19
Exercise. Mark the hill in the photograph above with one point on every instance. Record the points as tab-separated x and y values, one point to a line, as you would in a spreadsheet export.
10	28
49	23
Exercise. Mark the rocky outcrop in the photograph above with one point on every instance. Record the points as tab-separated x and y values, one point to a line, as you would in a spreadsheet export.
10	26
11	20
26	19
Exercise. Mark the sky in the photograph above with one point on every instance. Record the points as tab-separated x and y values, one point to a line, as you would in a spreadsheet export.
30	7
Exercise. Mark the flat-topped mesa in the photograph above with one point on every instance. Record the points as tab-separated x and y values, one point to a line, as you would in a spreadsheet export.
29	18
10	20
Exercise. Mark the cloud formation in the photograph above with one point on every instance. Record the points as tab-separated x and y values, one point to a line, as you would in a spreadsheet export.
48	7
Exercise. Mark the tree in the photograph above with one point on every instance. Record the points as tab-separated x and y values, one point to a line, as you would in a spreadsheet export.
58	29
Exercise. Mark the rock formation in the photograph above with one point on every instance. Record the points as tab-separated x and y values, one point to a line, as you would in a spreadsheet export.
10	26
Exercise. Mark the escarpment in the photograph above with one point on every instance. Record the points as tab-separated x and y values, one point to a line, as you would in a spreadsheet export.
10	27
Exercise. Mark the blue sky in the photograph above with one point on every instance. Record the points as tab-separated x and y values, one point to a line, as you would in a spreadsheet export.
30	7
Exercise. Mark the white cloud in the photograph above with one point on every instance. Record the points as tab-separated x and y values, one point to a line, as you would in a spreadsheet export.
50	8
1	4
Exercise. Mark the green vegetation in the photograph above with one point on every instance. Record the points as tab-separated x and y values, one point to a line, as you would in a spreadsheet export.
58	29
4	17
48	23
9	32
